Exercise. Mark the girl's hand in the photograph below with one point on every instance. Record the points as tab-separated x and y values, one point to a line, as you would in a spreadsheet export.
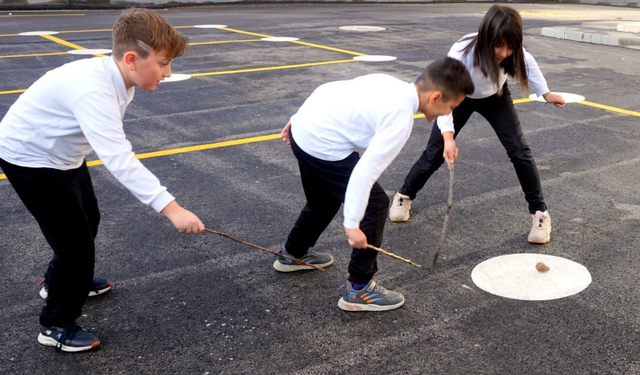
555	99
450	153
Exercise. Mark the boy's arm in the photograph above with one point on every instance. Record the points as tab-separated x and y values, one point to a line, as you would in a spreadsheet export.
101	123
382	150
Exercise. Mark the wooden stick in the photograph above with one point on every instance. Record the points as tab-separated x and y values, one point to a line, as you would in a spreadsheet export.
393	255
446	216
299	261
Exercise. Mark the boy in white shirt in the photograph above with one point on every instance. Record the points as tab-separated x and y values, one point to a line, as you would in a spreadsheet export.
44	137
372	112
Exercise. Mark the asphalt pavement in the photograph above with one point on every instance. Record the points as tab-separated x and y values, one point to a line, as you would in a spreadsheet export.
202	304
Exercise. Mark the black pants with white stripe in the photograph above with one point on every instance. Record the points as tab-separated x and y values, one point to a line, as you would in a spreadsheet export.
501	114
325	185
65	206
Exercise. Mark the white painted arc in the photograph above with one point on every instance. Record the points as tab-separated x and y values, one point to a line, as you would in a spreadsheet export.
175	77
95	51
36	33
375	58
279	39
361	28
209	26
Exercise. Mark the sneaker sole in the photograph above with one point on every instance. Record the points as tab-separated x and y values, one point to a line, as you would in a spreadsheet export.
543	241
48	341
348	306
297	267
399	219
93	293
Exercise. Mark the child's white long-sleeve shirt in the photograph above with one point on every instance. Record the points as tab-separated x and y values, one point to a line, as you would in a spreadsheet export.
70	111
484	88
372	112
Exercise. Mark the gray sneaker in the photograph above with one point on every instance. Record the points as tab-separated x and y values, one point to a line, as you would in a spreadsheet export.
372	297
289	265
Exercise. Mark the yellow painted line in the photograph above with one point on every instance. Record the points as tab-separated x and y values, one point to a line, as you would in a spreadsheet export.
68	44
225	41
524	100
12	92
43	15
183	150
1	35
34	54
271	68
329	48
245	32
609	108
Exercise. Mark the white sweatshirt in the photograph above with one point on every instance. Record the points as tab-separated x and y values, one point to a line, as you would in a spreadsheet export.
484	88
71	111
372	112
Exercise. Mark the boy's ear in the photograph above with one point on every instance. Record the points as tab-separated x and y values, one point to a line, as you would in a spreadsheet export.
130	58
435	96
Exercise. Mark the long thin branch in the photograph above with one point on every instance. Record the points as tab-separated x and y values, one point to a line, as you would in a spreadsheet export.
446	217
299	261
393	255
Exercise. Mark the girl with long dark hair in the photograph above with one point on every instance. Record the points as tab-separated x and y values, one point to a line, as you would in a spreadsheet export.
491	55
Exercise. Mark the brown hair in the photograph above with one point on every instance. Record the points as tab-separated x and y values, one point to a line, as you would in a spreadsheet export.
144	30
447	75
501	25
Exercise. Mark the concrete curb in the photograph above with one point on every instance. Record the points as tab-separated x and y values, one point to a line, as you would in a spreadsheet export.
578	35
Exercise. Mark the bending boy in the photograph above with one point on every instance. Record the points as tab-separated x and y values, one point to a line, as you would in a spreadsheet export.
372	112
44	137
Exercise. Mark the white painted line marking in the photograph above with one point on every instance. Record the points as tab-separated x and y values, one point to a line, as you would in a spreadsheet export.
279	39
374	58
515	276
95	51
35	33
210	26
568	97
175	77
361	28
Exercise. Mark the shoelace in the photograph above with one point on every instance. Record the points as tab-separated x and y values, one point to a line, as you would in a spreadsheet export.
74	328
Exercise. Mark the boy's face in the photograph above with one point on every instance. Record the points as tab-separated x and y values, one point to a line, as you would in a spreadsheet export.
433	105
151	70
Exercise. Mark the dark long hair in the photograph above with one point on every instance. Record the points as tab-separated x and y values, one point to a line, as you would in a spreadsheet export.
501	25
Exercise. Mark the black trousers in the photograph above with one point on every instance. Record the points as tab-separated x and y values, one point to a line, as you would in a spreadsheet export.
501	114
65	206
325	185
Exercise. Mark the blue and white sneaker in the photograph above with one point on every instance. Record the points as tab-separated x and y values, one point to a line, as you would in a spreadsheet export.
99	286
289	265
372	297
71	338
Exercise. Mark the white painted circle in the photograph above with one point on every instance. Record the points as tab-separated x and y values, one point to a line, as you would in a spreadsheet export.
34	33
279	39
361	28
515	276
374	58
210	26
175	77
568	97
95	51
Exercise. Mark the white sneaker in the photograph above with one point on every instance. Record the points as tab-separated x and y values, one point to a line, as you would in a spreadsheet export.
541	228
400	208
